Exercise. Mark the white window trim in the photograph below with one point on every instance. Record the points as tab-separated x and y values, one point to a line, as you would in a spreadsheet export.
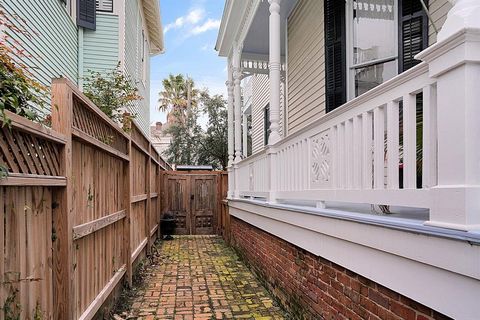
70	7
350	73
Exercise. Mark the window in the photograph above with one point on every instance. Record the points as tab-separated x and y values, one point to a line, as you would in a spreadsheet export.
372	54
266	124
368	42
105	5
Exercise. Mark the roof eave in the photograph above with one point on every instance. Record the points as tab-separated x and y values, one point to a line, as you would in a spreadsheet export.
227	10
153	21
236	21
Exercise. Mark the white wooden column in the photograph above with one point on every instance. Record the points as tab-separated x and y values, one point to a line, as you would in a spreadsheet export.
275	70
455	62
245	134
230	123
237	79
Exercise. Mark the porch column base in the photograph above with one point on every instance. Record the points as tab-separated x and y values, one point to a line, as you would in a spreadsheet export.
272	175
455	207
231	182
236	191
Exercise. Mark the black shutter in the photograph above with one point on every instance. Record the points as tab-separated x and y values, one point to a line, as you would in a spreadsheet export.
413	32
86	14
335	53
266	124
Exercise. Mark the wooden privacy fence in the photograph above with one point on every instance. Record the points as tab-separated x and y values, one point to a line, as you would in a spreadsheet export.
223	223
80	204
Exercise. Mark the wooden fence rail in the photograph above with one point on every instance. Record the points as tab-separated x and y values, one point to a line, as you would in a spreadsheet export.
80	205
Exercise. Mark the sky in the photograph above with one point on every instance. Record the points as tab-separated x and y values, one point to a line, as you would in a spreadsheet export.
190	32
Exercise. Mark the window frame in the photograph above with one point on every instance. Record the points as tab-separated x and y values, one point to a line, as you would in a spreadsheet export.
70	7
351	67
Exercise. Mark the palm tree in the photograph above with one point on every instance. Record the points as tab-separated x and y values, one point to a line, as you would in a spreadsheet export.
178	95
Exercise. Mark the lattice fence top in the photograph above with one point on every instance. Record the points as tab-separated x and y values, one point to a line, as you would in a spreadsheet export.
89	122
28	149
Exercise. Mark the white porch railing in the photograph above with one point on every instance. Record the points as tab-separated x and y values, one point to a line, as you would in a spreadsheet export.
366	151
254	176
354	154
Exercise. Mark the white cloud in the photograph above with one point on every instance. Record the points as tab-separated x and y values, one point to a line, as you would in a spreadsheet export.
210	24
193	17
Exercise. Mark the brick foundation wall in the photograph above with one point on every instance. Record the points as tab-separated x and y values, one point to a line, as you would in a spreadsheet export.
310	287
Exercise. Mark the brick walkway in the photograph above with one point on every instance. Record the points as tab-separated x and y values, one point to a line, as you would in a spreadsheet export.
200	277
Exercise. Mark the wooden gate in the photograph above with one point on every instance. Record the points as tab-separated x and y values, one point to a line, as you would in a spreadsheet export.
193	199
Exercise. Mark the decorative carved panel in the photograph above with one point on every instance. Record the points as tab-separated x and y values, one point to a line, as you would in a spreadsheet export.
320	160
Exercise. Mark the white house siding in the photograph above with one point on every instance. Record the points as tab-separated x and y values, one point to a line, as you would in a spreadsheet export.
52	47
260	98
101	47
133	62
306	65
438	11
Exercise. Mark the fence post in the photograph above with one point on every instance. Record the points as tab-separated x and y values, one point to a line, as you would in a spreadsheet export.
149	199
127	178
159	200
63	263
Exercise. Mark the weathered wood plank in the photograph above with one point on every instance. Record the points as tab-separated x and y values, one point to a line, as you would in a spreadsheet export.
148	208
98	144
127	194
154	229
140	148
139	198
16	179
35	129
63	268
103	295
139	249
85	229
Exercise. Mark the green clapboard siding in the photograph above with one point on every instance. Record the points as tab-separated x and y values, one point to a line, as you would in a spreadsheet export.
52	46
100	47
133	63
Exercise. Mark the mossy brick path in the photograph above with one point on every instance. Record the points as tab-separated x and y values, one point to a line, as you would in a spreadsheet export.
200	277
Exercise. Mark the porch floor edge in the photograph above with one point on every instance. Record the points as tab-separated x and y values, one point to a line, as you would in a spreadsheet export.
408	225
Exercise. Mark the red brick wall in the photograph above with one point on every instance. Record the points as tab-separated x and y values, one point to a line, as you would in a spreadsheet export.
310	287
